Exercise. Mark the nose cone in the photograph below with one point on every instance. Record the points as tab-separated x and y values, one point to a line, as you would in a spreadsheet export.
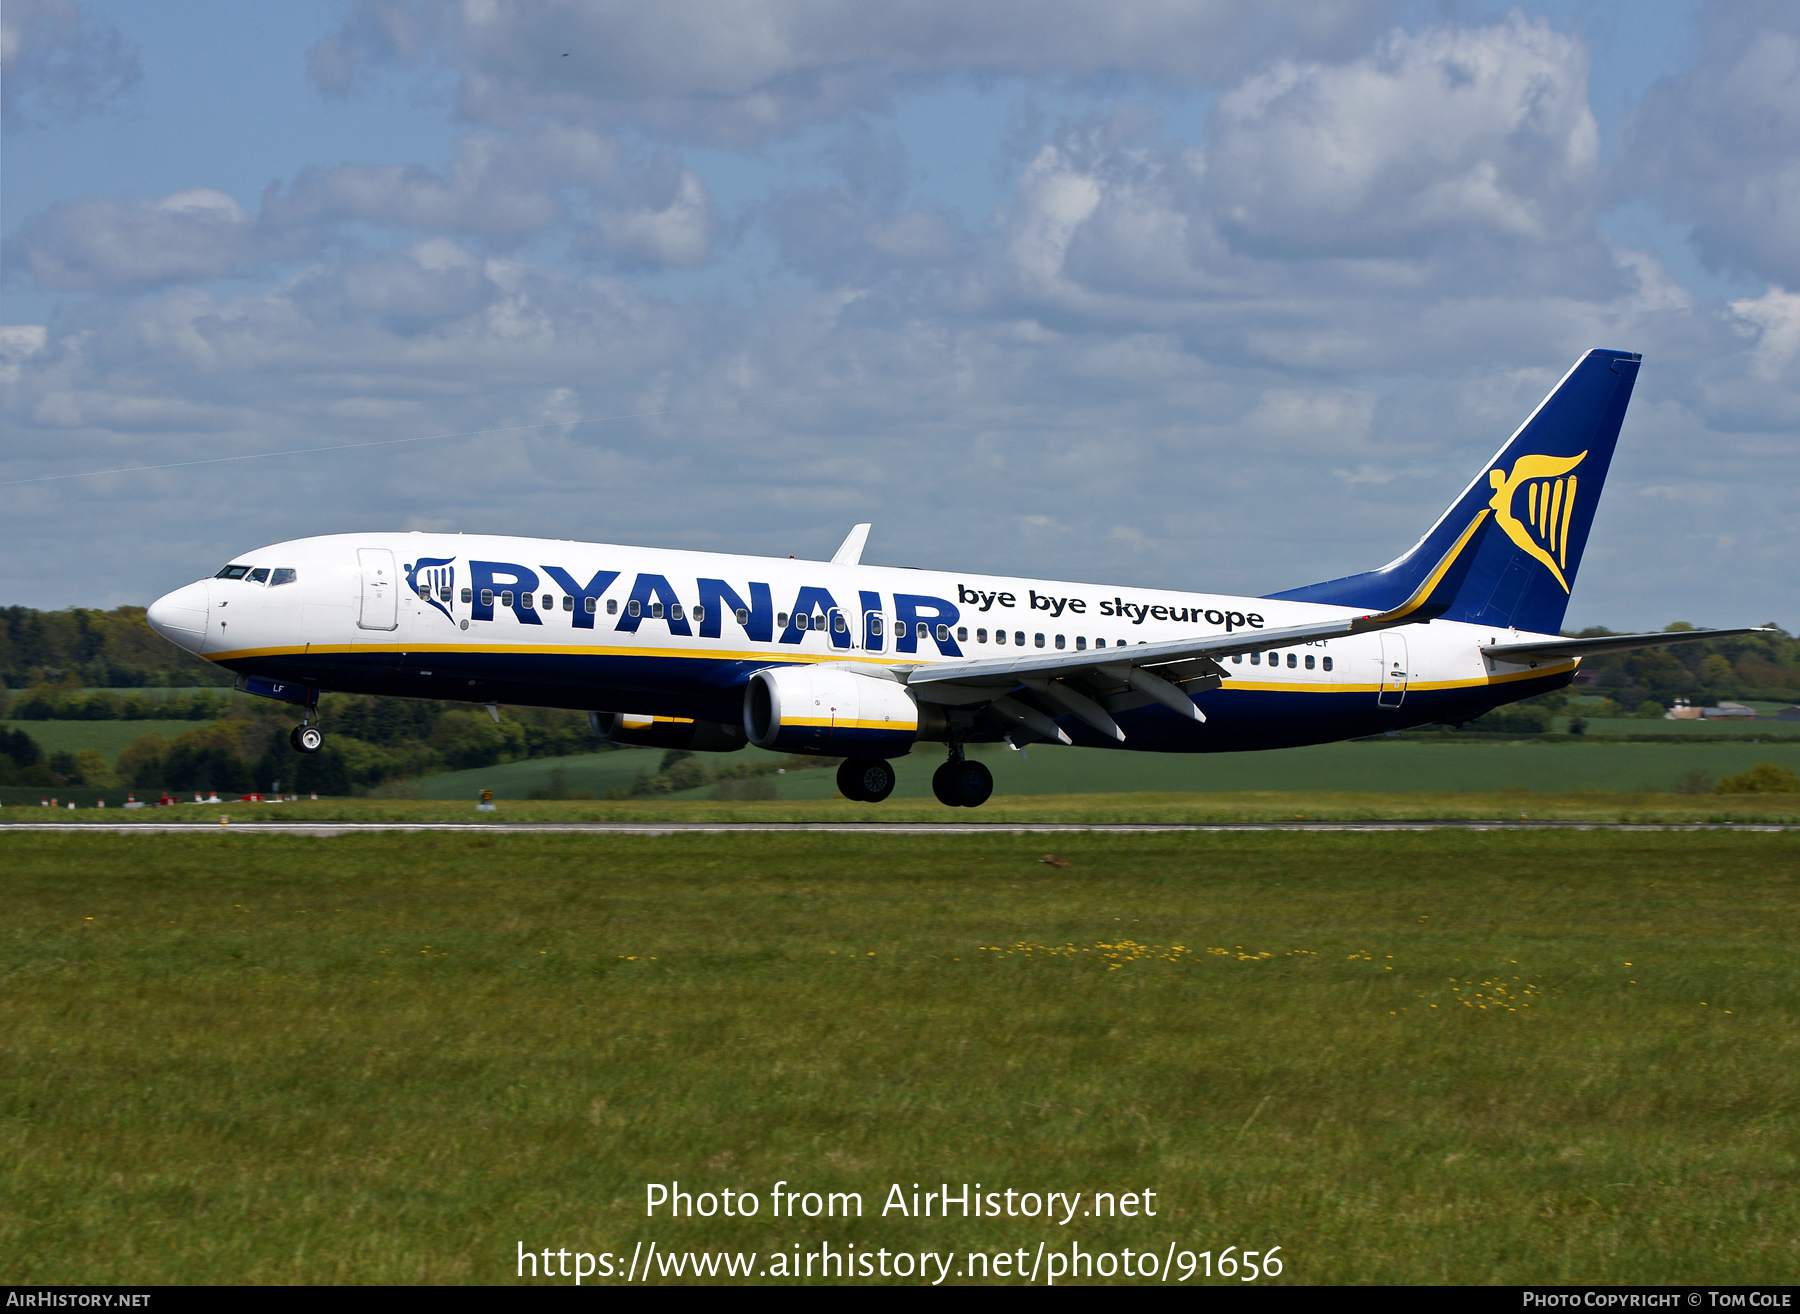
180	617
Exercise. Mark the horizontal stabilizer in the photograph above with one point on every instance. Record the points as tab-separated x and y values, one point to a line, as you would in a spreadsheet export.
1549	649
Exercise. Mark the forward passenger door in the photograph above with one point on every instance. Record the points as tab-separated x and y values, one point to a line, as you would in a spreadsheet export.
380	590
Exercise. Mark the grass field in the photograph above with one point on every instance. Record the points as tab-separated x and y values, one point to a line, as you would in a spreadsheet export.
1551	1057
110	737
1252	806
1351	767
1626	725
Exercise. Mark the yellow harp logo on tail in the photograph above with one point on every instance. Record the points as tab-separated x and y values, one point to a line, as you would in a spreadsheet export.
1549	507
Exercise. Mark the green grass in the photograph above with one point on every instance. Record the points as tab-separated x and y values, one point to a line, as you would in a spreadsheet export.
110	737
396	1058
1387	767
1626	725
1259	806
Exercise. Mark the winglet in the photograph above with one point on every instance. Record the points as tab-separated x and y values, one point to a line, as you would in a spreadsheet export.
850	552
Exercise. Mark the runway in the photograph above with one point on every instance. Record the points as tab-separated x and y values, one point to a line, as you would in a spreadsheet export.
330	829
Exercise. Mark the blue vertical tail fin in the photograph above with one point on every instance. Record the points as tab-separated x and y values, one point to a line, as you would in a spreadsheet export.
1541	489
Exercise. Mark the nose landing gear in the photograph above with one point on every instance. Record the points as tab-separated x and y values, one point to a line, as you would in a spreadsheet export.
307	737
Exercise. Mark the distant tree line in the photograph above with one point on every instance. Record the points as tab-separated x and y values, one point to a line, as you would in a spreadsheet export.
370	742
1765	668
84	647
55	702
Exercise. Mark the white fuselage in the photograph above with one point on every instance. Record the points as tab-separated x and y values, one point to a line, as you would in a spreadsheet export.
614	628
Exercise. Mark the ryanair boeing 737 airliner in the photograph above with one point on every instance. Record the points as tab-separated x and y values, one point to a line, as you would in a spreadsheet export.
712	652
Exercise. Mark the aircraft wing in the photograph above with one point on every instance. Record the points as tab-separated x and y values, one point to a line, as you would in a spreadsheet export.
1549	649
1089	685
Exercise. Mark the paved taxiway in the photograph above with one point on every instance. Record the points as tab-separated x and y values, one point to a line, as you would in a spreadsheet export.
327	829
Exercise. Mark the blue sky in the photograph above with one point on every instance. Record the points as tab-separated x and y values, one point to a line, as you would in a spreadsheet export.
1140	293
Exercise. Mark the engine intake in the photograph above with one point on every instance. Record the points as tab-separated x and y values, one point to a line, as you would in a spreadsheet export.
812	709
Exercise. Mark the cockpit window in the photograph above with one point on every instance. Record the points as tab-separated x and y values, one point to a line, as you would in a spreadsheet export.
233	572
260	575
287	575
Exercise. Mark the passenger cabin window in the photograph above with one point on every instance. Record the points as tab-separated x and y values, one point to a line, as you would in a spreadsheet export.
1237	659
590	605
656	611
287	575
875	624
1081	643
1293	661
1274	659
1328	663
781	619
1309	661
962	634
506	597
1059	641
980	636
1000	637
838	624
260	575
1256	659
1040	641
943	634
802	622
675	612
1099	643
612	607
525	601
699	613
233	572
468	595
487	597
568	603
549	602
743	616
634	608
443	591
924	630
1019	638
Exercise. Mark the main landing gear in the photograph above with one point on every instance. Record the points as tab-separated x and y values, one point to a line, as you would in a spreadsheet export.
960	783
865	779
307	737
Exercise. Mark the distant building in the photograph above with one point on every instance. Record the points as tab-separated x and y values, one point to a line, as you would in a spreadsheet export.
1786	714
1729	711
1683	711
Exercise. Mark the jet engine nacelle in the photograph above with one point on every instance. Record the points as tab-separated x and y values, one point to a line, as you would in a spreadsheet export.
813	709
666	732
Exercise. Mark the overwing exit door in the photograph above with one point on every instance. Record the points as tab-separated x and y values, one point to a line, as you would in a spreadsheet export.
380	591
